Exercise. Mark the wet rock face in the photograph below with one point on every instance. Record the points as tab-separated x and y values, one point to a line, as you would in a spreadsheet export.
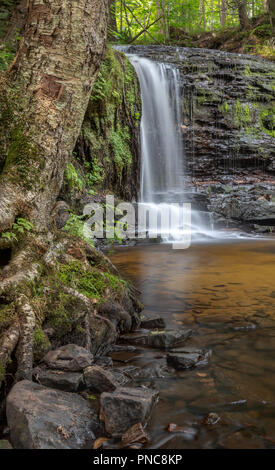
253	204
228	109
44	418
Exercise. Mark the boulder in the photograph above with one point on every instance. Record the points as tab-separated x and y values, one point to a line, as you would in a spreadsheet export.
99	380
161	339
126	407
70	357
67	381
43	418
186	358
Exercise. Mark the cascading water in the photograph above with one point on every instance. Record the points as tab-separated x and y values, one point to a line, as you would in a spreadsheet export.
162	178
162	189
162	170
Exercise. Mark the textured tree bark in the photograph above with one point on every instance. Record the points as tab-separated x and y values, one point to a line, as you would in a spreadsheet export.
46	92
43	99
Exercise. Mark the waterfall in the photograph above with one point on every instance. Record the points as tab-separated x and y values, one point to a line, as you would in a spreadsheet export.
162	191
162	176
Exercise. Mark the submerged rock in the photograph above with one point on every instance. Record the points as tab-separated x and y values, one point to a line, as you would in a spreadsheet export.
151	323
67	381
186	358
162	339
99	380
126	407
43	418
70	357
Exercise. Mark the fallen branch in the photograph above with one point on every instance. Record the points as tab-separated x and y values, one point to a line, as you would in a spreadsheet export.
144	29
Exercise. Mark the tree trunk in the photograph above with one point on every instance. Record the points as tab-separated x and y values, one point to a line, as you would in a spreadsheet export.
112	20
43	99
223	13
271	10
242	12
46	91
161	13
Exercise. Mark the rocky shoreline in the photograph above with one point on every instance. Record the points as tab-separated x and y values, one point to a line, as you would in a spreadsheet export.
78	400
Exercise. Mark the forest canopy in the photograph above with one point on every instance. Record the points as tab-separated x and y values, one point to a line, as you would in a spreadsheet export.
159	18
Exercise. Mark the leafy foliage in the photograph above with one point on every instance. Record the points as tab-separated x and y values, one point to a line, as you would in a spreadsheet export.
19	227
169	16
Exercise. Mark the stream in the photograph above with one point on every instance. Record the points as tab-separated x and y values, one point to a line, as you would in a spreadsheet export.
222	287
226	294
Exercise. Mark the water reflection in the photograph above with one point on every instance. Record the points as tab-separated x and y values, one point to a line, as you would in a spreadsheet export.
226	293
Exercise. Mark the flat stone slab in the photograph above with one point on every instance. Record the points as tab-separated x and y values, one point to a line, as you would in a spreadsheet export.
152	323
126	407
186	358
70	357
44	418
161	339
62	380
99	380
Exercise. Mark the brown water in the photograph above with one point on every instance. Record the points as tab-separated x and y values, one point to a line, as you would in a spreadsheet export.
226	294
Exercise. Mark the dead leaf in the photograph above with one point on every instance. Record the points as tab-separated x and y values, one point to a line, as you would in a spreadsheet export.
172	427
135	435
63	433
99	442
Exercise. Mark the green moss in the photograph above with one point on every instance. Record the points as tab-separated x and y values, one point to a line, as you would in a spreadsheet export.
2	372
73	179
60	313
21	156
75	227
6	316
267	119
41	340
207	96
92	283
113	115
7	54
247	71
120	143
241	114
224	108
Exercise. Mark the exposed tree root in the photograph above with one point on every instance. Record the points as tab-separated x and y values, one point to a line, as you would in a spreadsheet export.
24	351
8	344
49	312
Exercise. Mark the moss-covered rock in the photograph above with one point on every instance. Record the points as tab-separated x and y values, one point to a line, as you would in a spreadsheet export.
108	148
